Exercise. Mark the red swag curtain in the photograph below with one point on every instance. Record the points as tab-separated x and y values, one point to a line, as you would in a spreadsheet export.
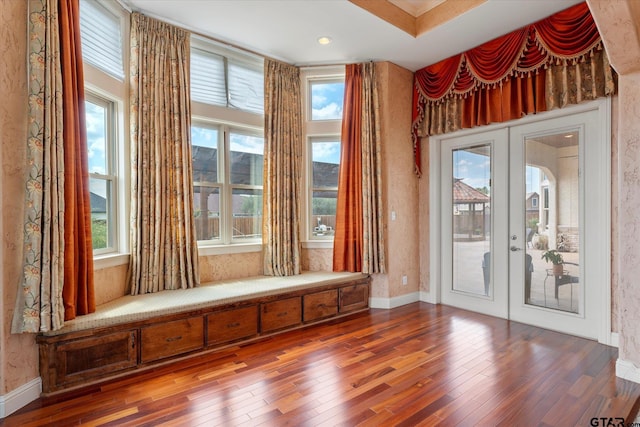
78	291
501	80
347	245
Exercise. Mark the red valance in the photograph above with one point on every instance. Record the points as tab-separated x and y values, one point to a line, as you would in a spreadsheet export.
568	37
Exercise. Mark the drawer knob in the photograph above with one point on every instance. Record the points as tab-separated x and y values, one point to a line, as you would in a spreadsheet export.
284	313
171	339
233	325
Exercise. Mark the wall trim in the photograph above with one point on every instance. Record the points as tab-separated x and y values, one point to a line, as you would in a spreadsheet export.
400	300
426	296
614	340
627	371
20	397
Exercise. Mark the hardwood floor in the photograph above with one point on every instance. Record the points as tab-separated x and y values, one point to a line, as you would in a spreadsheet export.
419	364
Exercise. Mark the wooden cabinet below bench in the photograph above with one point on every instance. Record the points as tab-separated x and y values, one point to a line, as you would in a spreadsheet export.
82	357
171	339
231	325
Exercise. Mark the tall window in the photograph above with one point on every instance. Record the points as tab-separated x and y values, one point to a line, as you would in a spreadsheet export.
103	28
227	100
102	177
324	97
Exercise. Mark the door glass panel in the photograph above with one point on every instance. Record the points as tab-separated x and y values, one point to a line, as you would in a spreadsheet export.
552	228
471	212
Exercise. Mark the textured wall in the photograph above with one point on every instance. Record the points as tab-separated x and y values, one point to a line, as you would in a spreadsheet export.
317	259
18	354
400	185
619	25
232	266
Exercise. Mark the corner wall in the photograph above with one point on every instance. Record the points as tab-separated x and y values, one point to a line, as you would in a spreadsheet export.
400	188
618	23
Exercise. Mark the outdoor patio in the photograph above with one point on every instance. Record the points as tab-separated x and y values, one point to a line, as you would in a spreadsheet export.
469	276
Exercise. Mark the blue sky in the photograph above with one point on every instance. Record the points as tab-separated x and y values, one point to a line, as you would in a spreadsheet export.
326	104
476	171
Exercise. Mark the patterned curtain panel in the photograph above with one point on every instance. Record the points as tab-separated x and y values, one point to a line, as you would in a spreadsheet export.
282	165
359	238
164	251
373	260
57	229
553	63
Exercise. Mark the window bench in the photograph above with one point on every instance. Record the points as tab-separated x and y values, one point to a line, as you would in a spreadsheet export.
133	333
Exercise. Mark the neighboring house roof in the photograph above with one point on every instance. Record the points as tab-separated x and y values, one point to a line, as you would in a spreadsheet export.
464	193
98	203
205	168
530	195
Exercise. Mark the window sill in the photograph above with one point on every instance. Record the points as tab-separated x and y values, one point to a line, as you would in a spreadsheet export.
237	248
318	244
101	262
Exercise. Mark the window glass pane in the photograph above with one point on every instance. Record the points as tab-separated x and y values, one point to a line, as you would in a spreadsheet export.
246	159
323	213
204	154
325	156
206	208
326	100
100	198
207	78
246	86
471	219
96	123
247	213
101	38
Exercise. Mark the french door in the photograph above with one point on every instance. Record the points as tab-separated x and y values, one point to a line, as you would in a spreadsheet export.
512	195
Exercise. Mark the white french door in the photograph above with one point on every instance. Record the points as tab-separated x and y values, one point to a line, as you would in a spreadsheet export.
509	195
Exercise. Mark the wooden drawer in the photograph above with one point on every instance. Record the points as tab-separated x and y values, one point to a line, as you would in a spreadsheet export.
171	338
320	305
280	314
354	297
96	356
231	325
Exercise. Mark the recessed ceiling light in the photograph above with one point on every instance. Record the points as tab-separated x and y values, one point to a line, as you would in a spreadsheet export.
324	40
569	135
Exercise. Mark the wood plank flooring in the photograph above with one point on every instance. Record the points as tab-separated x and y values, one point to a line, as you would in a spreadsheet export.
419	364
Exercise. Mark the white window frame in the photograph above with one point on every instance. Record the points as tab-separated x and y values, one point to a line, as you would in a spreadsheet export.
315	130
104	86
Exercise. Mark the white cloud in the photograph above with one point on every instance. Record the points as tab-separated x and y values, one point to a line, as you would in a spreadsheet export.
326	152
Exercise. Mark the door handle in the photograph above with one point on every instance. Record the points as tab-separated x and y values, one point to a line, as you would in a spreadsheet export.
514	249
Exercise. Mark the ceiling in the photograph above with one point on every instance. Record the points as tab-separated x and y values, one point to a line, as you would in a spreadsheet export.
288	29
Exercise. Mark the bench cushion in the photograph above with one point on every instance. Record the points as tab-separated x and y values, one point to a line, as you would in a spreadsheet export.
141	307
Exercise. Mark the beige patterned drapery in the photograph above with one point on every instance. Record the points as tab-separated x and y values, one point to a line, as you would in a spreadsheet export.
373	258
57	276
164	251
282	164
39	305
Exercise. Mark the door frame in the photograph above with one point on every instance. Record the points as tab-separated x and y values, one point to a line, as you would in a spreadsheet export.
603	106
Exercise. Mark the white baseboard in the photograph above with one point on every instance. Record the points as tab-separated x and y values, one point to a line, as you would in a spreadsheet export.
627	371
20	397
394	302
614	340
425	296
